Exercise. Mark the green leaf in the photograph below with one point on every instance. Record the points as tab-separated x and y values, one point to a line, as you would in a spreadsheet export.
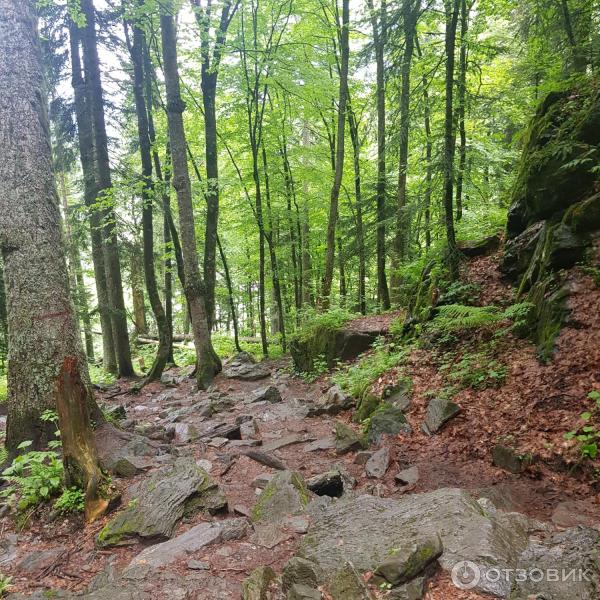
24	444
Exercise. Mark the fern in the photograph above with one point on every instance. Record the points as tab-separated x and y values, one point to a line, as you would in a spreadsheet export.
456	317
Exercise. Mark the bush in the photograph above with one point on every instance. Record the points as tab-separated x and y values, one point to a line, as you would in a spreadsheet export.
313	322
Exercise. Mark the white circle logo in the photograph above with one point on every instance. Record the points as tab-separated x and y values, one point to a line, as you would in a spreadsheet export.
466	575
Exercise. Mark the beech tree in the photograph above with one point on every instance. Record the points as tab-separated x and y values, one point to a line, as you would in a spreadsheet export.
47	367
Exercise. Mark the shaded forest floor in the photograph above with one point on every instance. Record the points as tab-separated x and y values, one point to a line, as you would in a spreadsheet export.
533	406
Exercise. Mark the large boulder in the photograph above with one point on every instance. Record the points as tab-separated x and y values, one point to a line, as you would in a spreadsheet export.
560	151
286	494
243	366
366	530
332	402
159	502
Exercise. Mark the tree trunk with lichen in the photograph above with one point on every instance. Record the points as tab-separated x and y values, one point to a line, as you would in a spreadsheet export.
207	361
47	368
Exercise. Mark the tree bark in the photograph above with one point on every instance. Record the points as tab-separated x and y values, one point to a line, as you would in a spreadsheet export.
47	368
379	24
85	132
164	333
339	158
208	364
137	288
91	63
452	13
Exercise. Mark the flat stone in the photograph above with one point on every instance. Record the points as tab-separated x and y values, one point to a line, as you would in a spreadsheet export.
332	402
8	548
387	420
244	367
288	440
130	466
244	443
39	561
363	457
300	571
298	523
193	540
218	442
198	565
269	535
184	433
303	592
160	501
347	584
241	509
265	394
378	464
439	412
322	444
286	494
265	459
256	585
408	476
262	481
508	458
573	513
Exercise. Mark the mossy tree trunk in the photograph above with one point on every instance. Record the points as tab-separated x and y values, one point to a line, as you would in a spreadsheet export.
47	368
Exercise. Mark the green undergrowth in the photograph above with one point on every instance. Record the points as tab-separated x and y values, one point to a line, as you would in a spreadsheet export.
3	388
4	584
314	322
587	435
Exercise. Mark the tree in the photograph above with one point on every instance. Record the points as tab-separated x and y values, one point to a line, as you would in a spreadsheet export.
47	368
339	155
208	363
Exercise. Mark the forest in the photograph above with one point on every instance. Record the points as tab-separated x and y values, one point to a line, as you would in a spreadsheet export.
300	299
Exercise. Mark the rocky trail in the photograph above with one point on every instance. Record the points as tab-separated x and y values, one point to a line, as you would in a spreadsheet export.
264	488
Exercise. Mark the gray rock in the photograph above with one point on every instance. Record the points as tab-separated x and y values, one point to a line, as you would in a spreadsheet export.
160	501
256	585
346	439
198	565
288	440
36	562
322	444
331	483
184	433
130	466
303	592
269	535
363	457
366	530
265	459
249	429
408	476
265	394
576	549
439	412
387	420
8	548
262	481
193	540
332	402
347	584
243	366
409	560
286	494
509	459
413	590
572	513
301	571
114	444
378	463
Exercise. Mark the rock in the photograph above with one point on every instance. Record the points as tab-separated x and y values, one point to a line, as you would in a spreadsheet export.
297	524
205	464
363	457
408	476
572	513
575	551
509	459
269	535
198	565
160	501
322	444
288	440
332	402
241	509
184	433
243	366
8	548
378	464
387	419
567	247
262	481
265	394
346	439
519	251
301	571
37	562
115	413
347	584
439	412
218	442
303	592
286	494
487	245
368	404
231	431
265	459
256	585
584	217
249	429
113	444
366	530
410	560
413	590
399	395
130	466
193	540
329	484
242	443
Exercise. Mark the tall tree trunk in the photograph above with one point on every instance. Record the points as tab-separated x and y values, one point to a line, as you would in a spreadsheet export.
83	117
342	264
379	24
360	234
577	30
411	10
47	368
232	307
165	341
452	12
137	289
208	363
339	158
112	264
462	105
307	295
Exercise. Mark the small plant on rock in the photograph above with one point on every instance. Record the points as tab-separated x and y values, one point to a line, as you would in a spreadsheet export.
4	584
587	435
